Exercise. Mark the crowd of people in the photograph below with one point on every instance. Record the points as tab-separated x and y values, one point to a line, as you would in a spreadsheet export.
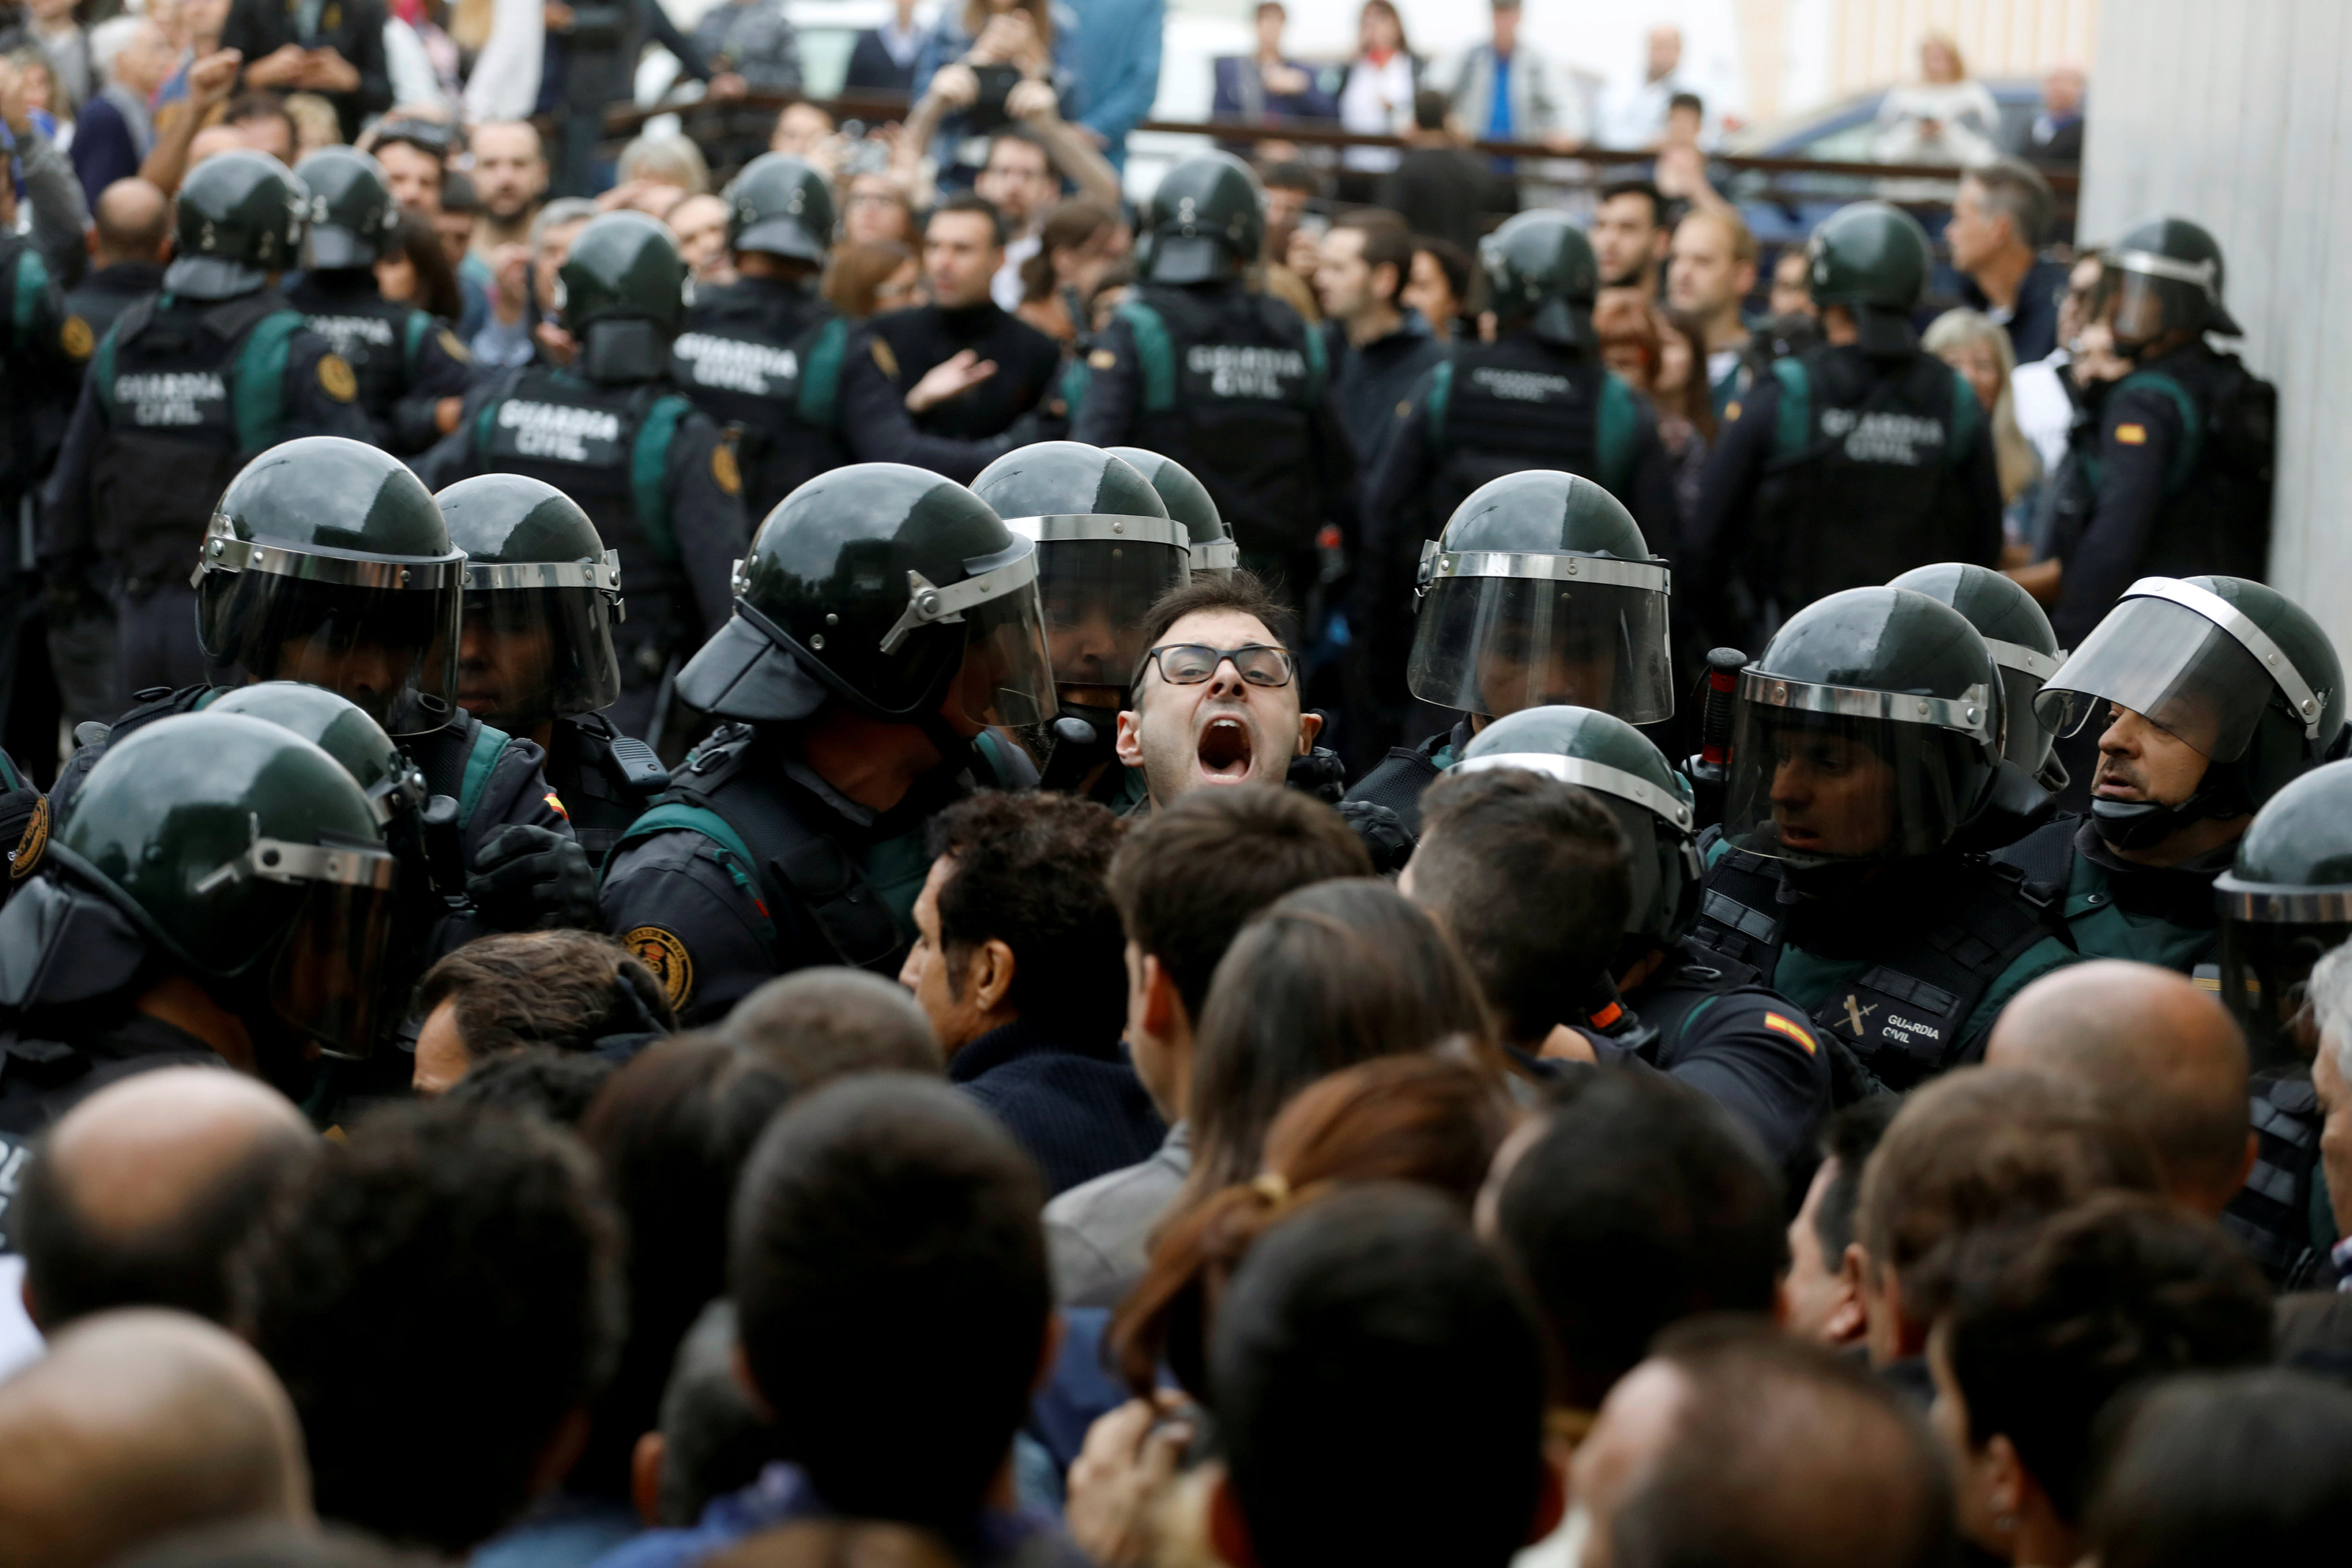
892	867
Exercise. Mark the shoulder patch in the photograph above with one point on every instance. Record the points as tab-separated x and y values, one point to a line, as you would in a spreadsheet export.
1731	411
75	338
556	805
1102	360
1793	1029
666	956
886	357
27	852
724	472
453	349
2132	435
335	378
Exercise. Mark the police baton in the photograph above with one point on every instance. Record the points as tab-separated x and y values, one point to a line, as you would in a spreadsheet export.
1707	771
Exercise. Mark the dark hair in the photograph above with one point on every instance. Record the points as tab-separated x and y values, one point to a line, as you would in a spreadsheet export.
1641	1203
867	1210
1461	273
2049	1324
858	272
816	1025
1424	1118
1528	875
443	1251
670	1134
1387	6
1430	108
73	1267
556	1086
714	1440
2239	1467
414	238
1783	1455
2018	192
457	193
1689	100
1069	226
1645	189
1290	175
1386	242
1334	974
1027	138
1187	877
248	107
1696	398
1848	1137
972	202
562	989
1031	871
1373	1349
1242	593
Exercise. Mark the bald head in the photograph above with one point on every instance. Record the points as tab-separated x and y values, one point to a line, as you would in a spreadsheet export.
138	1194
2163	1057
822	1024
135	1425
132	221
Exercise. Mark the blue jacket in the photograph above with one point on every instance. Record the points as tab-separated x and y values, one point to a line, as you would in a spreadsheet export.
1115	55
1079	1113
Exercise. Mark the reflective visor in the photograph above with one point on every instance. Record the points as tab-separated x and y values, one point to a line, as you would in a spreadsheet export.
1495	643
1007	677
2170	665
2265	982
1097	586
534	654
325	982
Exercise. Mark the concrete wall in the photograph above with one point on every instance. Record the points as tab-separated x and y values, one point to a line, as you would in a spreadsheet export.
2239	118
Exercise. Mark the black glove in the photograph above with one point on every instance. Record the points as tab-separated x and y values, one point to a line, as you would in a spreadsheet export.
1320	773
532	879
1383	833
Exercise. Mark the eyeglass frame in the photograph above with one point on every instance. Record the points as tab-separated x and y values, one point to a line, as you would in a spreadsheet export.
1225	656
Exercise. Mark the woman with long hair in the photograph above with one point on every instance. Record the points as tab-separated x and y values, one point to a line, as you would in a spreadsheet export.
417	271
1376	97
869	278
1977	347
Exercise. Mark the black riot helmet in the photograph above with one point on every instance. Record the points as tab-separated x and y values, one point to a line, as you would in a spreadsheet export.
1543	592
2011	623
1541	274
887	587
2165	275
327	561
780	204
2285	903
1869	729
1107	550
1872	258
623	290
541	595
240	219
1652	801
2235	670
343	730
353	212
1187	501
231	848
1207	221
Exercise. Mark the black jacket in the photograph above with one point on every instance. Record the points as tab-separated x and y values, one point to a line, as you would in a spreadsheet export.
1079	1113
963	434
352	29
1370	381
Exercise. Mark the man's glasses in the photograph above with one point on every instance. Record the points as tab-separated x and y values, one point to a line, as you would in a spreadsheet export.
1190	663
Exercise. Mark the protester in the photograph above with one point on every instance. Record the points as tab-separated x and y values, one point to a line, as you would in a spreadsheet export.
827	1023
867	277
1380	346
1943	118
1439	286
115	130
1505	89
1633	112
1710	270
1974	345
1023	177
509	173
1077	245
1630	237
1824	1287
877	210
1999	222
337	52
1269	86
1218	703
2056	135
569	989
1376	95
883	58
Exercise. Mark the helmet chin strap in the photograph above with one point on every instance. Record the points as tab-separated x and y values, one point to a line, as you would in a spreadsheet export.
2144	824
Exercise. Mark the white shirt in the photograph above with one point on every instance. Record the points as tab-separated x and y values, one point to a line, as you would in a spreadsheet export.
1005	287
1377	101
2044	412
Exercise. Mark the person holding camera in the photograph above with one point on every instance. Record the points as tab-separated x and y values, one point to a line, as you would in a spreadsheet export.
984	69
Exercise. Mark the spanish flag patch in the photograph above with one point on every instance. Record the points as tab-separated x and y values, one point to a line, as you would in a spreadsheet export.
1793	1031
556	806
2131	435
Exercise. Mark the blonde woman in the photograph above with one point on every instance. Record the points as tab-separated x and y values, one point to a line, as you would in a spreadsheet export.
1977	347
1943	118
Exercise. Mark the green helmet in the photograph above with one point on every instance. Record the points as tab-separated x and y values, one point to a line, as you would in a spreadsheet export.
341	729
623	291
780	204
1871	259
240	219
1540	270
1869	729
2014	626
1652	802
327	561
353	212
2284	903
1542	592
887	587
1107	550
2236	670
541	596
246	854
1207	221
2168	274
1189	502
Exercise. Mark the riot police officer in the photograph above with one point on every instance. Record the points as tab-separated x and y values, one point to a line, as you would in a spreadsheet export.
2210	695
2169	469
1228	383
764	354
1542	592
411	372
613	432
859	704
220	893
40	353
184	389
1849	463
1189	502
1682	1009
1107	550
327	562
535	646
1866	739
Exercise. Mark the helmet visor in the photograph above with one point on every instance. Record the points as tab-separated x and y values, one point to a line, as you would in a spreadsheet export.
325	983
2265	982
1007	678
1813	785
534	652
392	650
2170	666
1496	644
1097	590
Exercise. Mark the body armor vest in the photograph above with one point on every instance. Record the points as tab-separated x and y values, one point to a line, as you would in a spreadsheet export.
1519	403
766	358
606	779
378	338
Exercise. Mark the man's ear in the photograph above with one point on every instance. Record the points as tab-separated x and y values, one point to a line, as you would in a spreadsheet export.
645	1476
1228	1531
1552	1501
1310	725
988	974
1128	745
1162	1006
741	1365
1849	1321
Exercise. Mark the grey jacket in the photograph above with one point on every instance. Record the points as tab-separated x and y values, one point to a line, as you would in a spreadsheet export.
1099	1234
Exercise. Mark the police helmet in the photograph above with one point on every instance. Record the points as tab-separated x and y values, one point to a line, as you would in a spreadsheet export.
541	596
623	289
2011	623
352	213
2165	274
240	219
1542	591
1872	258
780	204
1189	502
1207	221
1540	271
326	561
343	730
2285	903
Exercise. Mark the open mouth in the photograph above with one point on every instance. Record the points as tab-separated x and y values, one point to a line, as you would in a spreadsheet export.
1226	751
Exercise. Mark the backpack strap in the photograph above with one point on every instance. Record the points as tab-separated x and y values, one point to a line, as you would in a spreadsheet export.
261	379
1967	418
418	326
1440	398
819	401
1155	354
2192	424
1796	422
1739	911
1619	426
649	471
726	848
1318	363
32	289
481	761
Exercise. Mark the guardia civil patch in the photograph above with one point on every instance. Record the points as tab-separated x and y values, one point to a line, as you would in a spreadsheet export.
27	852
724	472
555	805
335	378
1793	1031
666	956
1102	360
2132	435
75	338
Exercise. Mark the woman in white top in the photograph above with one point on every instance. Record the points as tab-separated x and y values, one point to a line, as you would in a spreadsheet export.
1943	118
1377	98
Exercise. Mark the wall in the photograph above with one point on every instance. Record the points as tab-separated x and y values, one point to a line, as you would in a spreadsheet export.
1804	53
2239	118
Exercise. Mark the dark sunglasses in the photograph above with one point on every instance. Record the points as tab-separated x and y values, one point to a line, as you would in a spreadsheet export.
1190	663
